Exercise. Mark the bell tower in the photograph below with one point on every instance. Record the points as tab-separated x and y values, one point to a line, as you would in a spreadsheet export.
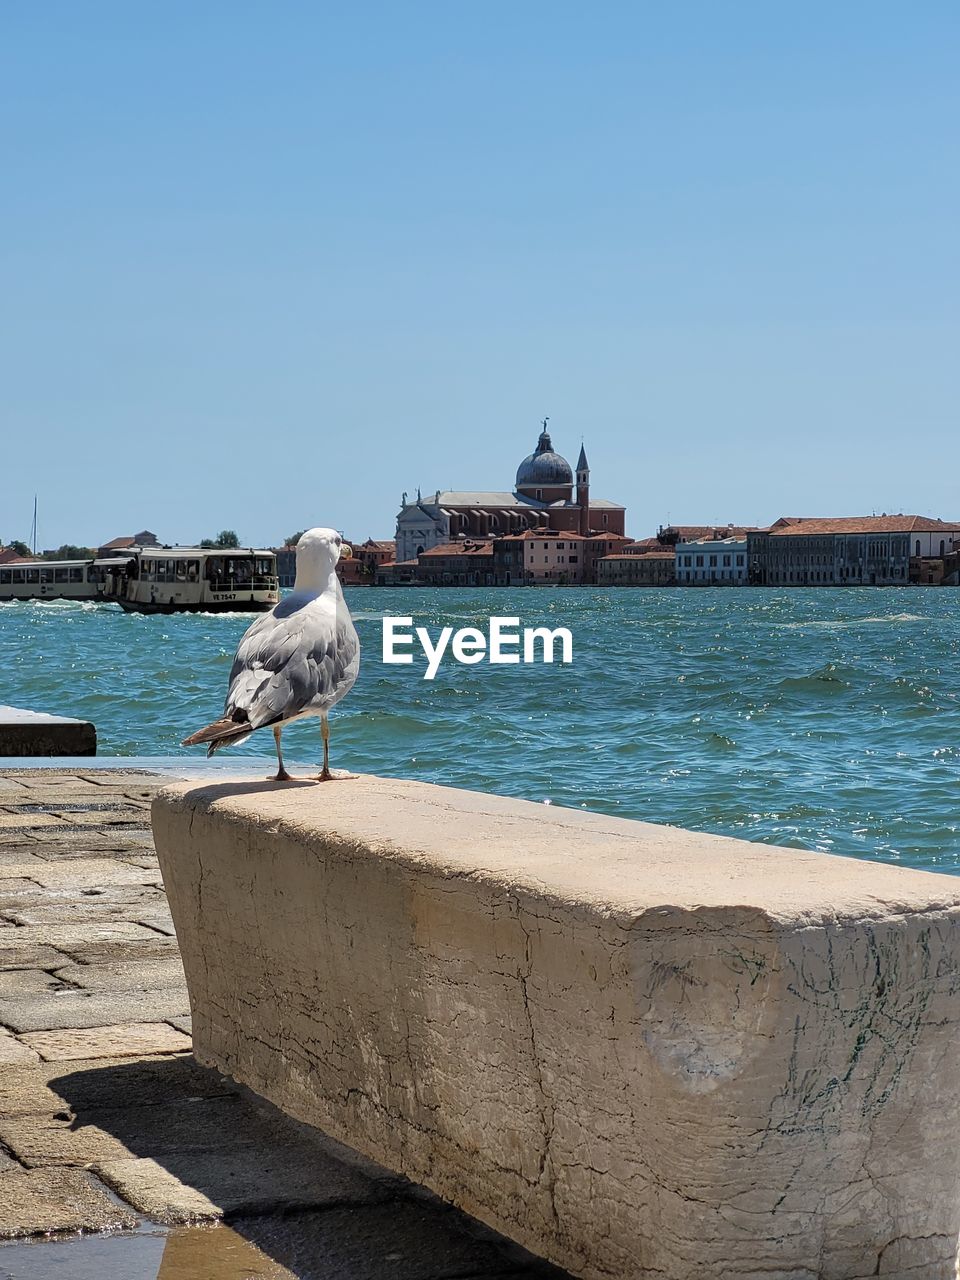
583	491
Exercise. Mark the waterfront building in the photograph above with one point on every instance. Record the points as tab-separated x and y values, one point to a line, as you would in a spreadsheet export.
142	539
9	556
629	568
547	496
403	573
359	569
669	535
711	562
458	564
539	556
848	551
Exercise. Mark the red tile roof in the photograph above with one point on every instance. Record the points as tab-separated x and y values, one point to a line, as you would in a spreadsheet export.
689	532
631	558
466	547
118	544
565	534
865	524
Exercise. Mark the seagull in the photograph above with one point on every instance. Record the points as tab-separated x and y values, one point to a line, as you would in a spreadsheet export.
297	660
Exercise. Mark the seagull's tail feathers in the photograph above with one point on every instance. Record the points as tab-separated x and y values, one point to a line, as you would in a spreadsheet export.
220	733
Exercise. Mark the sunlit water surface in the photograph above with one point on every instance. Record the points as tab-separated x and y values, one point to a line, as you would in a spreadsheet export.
819	719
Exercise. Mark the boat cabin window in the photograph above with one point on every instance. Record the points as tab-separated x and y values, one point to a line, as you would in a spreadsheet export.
33	575
46	575
264	566
19	575
193	570
6	576
76	573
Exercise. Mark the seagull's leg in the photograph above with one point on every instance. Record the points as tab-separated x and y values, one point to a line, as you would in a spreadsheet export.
282	775
325	774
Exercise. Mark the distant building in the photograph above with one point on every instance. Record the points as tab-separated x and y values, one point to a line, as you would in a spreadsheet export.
546	497
848	551
671	534
458	564
539	555
393	574
359	569
630	569
142	539
711	562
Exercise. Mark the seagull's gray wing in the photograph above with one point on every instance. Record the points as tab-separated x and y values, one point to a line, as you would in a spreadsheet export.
292	660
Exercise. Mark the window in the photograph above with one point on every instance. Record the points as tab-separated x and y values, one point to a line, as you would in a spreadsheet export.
713	562
540	495
917	552
573	559
6	576
687	562
60	575
699	562
33	575
46	575
740	562
727	561
76	575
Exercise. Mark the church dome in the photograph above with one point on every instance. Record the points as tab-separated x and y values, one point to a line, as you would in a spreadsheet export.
544	468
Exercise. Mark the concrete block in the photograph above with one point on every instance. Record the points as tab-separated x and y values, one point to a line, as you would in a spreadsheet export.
132	1038
206	1185
33	733
68	1008
639	1051
153	974
38	1201
96	1084
14	1052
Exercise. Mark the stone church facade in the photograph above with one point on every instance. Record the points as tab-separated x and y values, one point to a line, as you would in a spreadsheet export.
547	495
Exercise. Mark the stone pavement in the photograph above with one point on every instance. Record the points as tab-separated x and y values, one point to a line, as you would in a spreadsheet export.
106	1120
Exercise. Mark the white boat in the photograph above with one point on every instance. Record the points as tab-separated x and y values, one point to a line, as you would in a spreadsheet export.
195	580
57	579
154	580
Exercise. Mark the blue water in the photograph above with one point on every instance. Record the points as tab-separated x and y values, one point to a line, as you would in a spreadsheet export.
823	720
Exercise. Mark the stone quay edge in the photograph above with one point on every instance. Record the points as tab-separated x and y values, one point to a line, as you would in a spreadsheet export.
35	733
637	1050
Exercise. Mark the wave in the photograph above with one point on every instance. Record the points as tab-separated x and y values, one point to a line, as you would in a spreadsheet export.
840	624
831	676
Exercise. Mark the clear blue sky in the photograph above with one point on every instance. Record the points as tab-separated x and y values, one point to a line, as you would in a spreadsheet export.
267	265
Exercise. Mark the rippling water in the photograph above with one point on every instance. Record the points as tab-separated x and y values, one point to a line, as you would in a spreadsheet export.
819	719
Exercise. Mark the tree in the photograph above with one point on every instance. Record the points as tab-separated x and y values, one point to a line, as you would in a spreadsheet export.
69	551
19	547
294	538
226	540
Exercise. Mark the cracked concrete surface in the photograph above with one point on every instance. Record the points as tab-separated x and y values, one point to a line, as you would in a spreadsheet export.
639	1051
106	1120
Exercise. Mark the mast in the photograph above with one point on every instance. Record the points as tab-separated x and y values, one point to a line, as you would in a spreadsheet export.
33	531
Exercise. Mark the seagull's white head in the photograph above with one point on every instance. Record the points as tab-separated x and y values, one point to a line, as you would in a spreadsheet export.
317	554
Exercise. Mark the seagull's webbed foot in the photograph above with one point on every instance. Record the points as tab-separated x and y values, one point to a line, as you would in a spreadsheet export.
281	776
324	775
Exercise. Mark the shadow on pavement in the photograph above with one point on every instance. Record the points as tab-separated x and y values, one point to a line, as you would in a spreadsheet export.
178	1141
